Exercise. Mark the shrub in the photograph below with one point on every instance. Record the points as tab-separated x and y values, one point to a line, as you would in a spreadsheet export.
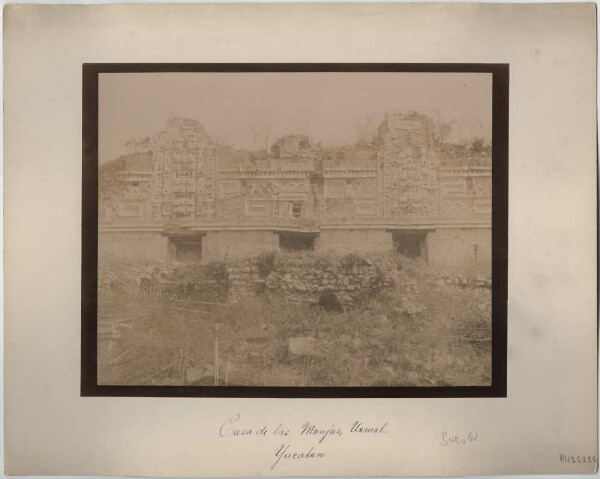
265	262
352	260
217	270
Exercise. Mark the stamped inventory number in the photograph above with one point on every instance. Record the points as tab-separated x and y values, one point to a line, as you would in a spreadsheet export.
576	459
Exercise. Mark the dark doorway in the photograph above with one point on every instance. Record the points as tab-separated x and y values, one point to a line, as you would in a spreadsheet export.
188	248
297	241
411	243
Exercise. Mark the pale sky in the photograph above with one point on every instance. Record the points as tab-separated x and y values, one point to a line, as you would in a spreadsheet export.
329	107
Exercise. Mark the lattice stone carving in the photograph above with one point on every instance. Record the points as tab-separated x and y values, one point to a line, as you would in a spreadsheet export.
231	208
130	192
456	208
362	187
259	189
338	208
480	186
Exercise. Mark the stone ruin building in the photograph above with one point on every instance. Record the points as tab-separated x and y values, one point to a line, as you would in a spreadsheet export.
182	197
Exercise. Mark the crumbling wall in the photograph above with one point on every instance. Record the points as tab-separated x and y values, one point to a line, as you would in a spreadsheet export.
331	282
310	278
311	283
307	279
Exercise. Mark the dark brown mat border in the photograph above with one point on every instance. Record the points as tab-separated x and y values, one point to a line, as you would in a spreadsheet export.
89	234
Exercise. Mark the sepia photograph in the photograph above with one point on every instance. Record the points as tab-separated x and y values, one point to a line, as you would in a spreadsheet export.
294	229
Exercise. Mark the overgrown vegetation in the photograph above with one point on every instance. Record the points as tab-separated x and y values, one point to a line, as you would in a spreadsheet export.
265	262
418	333
351	261
207	283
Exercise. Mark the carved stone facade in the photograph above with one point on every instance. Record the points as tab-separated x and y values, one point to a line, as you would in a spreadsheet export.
182	177
399	179
408	151
466	192
184	172
125	188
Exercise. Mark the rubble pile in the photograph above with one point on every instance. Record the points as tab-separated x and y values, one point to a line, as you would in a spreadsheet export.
175	280
315	283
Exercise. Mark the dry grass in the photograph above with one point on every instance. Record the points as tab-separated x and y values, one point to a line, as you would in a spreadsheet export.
380	342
